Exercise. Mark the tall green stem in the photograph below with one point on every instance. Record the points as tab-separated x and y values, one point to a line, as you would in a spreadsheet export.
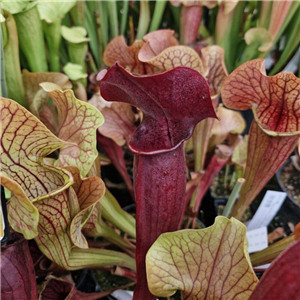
265	14
53	39
233	197
124	17
99	35
176	16
3	82
13	76
292	43
292	12
144	19
113	18
78	13
91	25
101	8
31	39
3	92
232	38
157	15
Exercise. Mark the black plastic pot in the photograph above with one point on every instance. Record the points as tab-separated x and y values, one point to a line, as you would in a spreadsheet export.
6	237
87	283
121	194
208	209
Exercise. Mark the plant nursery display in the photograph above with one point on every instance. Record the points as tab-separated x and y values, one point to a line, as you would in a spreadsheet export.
146	146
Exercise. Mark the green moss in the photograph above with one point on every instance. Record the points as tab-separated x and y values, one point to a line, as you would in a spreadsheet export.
106	280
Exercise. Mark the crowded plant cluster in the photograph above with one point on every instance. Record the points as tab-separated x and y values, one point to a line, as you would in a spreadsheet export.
159	91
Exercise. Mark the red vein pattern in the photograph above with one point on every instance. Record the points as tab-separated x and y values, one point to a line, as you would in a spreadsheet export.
17	271
156	42
89	192
275	102
78	123
40	190
213	57
117	50
168	111
210	263
35	96
24	143
172	104
54	238
23	216
176	56
265	155
119	122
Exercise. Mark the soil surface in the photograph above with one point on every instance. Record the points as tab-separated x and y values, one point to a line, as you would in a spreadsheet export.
289	178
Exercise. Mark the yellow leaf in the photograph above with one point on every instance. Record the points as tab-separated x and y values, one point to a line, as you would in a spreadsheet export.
211	263
35	96
176	56
23	216
88	192
78	123
25	142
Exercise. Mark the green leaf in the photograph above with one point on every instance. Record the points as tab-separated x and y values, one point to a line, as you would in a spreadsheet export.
97	227
211	263
53	11
75	35
259	41
2	19
14	7
77	46
112	212
90	25
95	257
29	25
113	18
11	63
74	71
267	255
292	43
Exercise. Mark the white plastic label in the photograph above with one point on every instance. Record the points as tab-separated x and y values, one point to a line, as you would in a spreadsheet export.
122	295
267	210
257	239
263	267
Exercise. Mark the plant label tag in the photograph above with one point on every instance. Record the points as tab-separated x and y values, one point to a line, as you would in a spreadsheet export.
257	239
263	267
122	295
267	210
